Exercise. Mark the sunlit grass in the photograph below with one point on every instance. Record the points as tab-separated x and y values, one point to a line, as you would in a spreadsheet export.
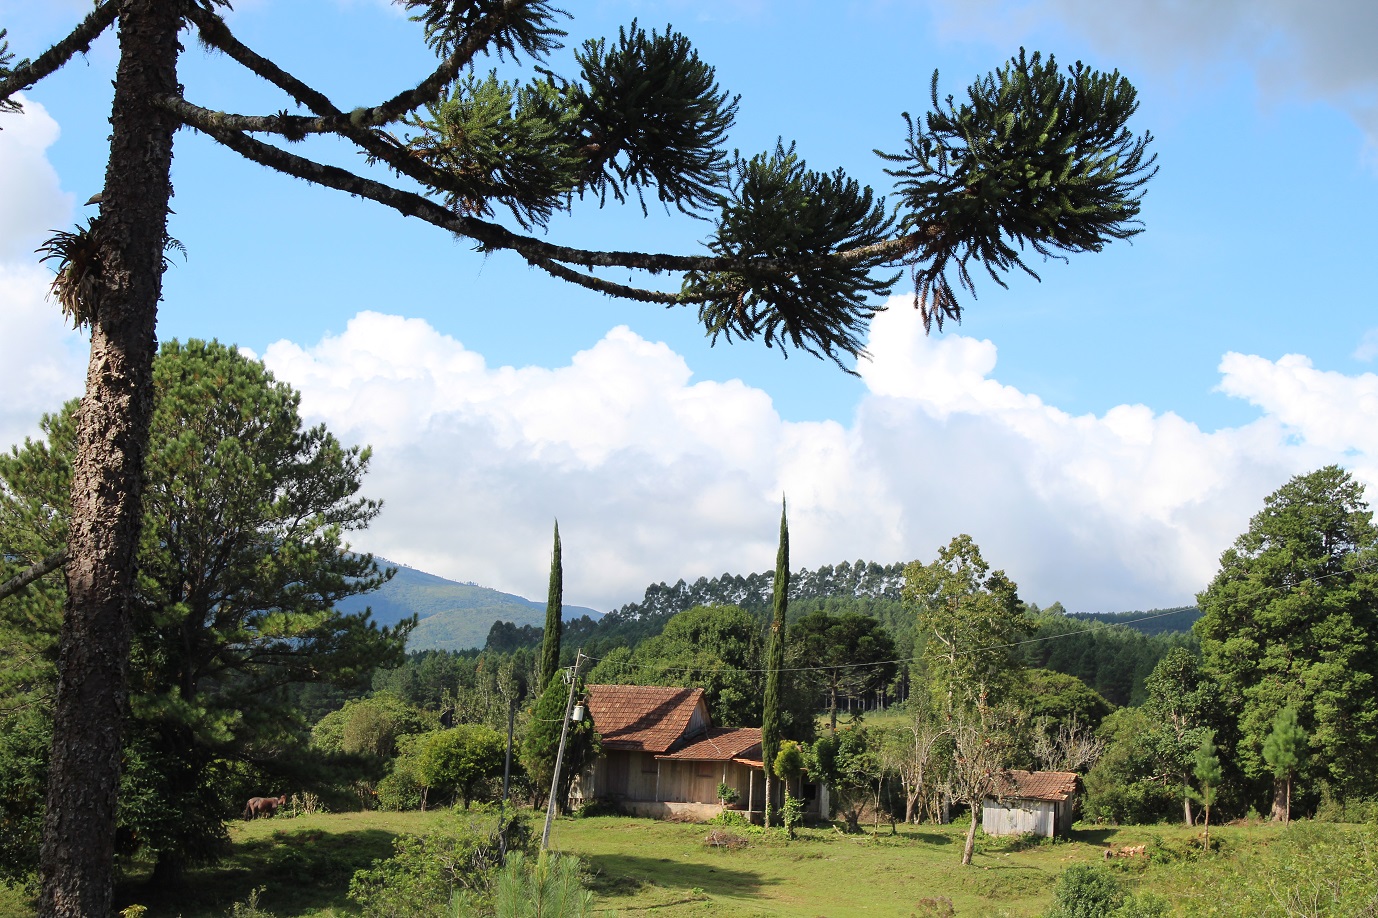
648	867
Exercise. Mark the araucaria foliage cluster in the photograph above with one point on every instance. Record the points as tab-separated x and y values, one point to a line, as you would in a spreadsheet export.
1031	158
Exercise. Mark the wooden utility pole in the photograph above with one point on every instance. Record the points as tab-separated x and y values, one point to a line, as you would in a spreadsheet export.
560	753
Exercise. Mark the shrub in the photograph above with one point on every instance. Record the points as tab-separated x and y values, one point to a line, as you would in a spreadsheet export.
305	804
1084	891
399	790
1144	905
427	873
249	907
793	813
1357	810
1312	869
731	818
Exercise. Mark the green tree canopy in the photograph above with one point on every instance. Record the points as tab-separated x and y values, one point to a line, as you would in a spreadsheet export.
850	655
461	760
715	648
1183	709
849	761
541	744
1292	619
1128	783
370	725
242	558
968	617
1060	698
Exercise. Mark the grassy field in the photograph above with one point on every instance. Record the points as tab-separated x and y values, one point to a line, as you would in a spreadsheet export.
644	867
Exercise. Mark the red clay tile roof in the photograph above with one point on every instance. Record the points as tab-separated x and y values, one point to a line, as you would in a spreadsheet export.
1055	786
642	718
719	744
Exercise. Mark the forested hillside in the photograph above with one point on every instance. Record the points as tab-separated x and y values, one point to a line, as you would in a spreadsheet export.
453	616
1113	654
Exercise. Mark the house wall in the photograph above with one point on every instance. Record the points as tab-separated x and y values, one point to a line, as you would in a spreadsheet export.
620	775
694	782
1019	817
687	790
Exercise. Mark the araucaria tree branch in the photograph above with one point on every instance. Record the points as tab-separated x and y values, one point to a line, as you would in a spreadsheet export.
30	72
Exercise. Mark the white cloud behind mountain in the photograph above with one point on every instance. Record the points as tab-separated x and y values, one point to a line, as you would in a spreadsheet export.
654	475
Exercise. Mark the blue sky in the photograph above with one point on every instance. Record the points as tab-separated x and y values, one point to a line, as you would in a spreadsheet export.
1103	434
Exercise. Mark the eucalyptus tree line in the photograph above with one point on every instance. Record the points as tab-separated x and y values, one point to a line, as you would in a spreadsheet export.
1033	159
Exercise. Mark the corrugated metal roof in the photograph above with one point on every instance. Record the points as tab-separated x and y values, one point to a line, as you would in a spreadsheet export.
642	718
1055	786
720	744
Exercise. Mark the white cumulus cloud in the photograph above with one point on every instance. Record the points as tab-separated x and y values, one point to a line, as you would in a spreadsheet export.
654	475
41	358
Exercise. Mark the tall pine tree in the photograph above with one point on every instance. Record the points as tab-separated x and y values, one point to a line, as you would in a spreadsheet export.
550	646
775	661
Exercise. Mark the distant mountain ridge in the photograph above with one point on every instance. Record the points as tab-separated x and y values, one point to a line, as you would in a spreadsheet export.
454	616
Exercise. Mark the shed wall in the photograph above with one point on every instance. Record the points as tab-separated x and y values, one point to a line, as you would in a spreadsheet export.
1019	817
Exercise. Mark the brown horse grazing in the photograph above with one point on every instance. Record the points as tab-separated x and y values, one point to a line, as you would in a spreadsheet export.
263	806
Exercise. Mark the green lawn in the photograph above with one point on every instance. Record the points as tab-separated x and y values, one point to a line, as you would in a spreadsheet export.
646	867
664	869
302	865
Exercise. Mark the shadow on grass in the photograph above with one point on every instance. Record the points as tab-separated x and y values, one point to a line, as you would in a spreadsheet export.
302	871
1100	836
624	874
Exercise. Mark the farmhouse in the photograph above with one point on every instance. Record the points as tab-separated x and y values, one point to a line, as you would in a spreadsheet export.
663	757
1037	802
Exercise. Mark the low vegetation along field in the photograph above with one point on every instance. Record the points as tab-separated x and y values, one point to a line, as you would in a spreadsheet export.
302	867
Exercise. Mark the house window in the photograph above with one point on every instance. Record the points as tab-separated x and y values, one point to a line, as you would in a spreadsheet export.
648	764
703	769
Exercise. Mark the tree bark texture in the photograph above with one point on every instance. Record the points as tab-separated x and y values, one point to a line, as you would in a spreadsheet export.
112	437
1282	800
969	847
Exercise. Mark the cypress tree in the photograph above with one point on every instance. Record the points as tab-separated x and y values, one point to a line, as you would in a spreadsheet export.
775	661
550	646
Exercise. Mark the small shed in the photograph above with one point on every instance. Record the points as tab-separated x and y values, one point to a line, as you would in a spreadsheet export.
1032	802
